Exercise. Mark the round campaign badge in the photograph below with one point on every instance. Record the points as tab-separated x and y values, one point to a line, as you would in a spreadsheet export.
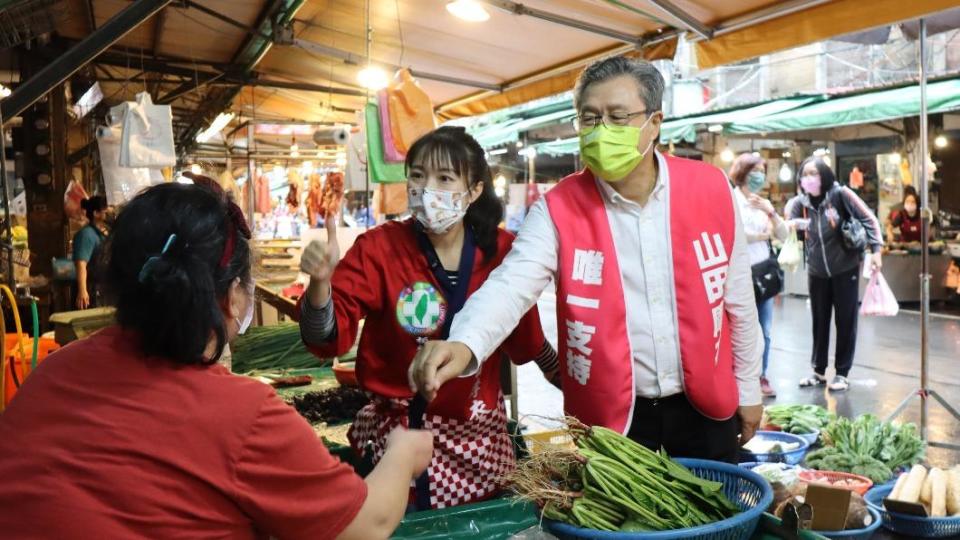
421	309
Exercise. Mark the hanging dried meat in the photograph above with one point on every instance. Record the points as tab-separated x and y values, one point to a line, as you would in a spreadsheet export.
332	194
315	199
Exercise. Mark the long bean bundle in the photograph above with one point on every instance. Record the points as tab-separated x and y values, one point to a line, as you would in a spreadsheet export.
612	483
272	347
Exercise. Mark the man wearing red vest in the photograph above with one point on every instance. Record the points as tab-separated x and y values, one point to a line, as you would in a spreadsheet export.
657	322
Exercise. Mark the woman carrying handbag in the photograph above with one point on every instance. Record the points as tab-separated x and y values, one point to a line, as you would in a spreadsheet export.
760	223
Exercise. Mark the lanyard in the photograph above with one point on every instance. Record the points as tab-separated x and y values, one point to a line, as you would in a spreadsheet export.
456	298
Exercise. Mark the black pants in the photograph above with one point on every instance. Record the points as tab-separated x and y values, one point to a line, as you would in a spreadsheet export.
672	423
837	295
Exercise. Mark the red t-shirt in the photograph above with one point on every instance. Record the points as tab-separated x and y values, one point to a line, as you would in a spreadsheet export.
103	442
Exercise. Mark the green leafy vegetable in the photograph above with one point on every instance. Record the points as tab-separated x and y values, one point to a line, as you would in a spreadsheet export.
868	447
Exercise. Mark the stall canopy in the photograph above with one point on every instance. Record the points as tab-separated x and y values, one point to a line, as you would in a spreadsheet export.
298	59
864	108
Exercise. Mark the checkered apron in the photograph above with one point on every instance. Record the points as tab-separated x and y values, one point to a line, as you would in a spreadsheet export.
469	456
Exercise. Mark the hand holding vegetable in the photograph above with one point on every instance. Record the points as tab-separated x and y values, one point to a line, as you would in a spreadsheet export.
318	261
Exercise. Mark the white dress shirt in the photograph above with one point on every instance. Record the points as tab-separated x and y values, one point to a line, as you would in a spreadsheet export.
644	253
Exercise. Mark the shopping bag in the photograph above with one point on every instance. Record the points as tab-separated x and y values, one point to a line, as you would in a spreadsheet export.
380	171
390	152
121	183
147	139
72	197
878	299
411	112
791	254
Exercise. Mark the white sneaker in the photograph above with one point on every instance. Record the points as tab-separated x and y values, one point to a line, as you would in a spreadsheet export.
839	384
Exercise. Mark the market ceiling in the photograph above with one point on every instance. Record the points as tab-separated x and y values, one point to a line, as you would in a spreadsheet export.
206	56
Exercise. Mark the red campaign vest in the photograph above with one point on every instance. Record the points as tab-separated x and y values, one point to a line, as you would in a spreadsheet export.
594	344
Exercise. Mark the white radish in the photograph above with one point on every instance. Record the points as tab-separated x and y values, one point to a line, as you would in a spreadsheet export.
912	488
927	490
898	487
938	496
953	491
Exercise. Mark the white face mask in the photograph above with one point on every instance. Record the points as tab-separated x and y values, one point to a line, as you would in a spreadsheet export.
244	324
437	210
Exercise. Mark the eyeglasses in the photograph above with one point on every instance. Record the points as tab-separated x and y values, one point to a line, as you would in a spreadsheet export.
590	120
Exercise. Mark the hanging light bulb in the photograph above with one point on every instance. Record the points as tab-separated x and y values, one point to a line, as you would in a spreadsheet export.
373	78
940	141
785	173
468	10
727	155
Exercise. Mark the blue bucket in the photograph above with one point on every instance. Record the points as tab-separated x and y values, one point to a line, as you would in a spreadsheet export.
745	488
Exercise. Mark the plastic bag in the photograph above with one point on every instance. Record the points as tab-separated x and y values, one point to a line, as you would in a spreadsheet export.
147	135
121	183
791	254
411	112
380	171
390	152
72	197
878	299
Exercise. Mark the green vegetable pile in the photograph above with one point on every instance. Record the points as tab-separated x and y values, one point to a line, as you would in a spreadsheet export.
272	347
868	447
799	418
611	483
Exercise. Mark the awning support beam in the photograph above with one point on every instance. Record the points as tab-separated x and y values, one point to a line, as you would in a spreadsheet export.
689	21
78	56
520	9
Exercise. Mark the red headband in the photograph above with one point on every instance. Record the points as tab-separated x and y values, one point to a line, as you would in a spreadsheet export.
235	220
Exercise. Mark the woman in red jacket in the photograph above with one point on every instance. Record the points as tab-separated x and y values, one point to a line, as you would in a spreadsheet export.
138	432
408	279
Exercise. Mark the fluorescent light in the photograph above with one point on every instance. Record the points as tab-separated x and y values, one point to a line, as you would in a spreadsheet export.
373	78
216	127
715	128
468	10
727	155
498	152
940	141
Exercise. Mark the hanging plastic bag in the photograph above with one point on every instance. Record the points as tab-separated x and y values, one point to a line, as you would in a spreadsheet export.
147	135
411	112
355	175
390	152
72	197
121	183
878	299
392	199
791	254
380	171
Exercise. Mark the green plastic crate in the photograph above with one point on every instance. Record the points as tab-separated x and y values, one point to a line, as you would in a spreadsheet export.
497	519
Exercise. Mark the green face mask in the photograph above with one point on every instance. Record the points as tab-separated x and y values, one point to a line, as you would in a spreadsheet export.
611	152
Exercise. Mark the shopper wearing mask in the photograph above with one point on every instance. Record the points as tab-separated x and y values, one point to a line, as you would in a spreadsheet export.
86	248
408	279
760	223
907	220
137	432
659	336
822	209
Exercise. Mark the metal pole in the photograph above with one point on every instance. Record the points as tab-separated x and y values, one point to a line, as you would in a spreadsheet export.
78	56
924	232
251	174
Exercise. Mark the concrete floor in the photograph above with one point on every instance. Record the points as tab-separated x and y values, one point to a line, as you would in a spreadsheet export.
886	370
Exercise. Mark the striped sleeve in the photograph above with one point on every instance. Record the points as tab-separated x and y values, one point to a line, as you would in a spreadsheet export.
317	326
862	213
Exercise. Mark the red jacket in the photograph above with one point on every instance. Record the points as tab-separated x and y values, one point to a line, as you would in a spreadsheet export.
379	271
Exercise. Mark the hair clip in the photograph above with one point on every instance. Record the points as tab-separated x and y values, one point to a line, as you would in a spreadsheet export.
152	261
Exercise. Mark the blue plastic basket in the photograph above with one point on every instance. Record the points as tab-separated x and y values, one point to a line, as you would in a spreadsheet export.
857	534
745	488
792	457
811	438
919	527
